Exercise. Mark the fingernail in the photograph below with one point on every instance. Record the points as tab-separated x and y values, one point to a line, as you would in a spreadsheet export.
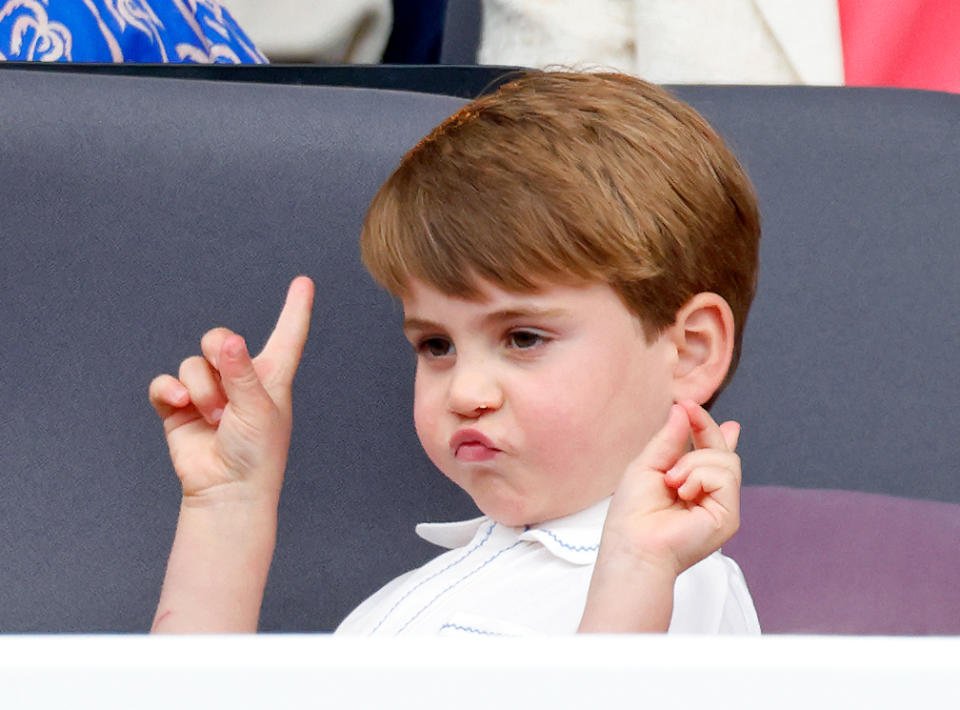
234	348
216	415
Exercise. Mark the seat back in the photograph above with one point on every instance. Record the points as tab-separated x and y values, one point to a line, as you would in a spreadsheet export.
847	379
464	81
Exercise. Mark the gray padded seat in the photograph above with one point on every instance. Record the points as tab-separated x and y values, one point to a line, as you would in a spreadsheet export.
136	213
848	378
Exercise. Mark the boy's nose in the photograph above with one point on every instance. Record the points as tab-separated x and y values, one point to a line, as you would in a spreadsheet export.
474	390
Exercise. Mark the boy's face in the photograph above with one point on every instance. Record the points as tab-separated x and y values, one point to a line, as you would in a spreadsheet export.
535	403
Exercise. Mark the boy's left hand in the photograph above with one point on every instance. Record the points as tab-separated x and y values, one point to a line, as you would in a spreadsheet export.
672	507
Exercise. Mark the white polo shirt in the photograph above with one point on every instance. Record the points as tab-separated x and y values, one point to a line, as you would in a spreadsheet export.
496	580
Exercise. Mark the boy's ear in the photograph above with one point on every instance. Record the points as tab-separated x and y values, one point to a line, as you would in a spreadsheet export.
703	334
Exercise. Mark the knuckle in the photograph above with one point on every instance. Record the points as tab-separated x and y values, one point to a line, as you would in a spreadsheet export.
258	425
736	467
246	379
155	390
190	366
212	338
157	383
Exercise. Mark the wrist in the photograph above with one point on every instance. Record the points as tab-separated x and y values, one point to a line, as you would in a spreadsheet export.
629	593
241	530
235	496
632	572
633	555
629	599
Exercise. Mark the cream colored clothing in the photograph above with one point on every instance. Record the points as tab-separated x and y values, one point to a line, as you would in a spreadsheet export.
671	41
497	580
322	31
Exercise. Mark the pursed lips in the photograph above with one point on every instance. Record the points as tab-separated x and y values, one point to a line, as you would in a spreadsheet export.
471	445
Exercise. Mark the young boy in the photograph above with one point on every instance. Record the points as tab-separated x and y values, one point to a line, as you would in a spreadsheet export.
575	256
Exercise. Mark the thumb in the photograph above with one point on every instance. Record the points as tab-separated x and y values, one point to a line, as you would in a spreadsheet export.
669	444
245	393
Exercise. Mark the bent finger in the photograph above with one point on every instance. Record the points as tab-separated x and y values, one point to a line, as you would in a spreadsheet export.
211	342
203	384
167	395
247	397
716	481
719	498
702	458
284	347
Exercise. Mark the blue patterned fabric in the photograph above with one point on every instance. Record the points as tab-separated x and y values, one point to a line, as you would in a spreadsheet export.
122	31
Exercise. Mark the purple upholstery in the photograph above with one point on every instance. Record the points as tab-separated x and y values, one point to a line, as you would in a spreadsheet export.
831	561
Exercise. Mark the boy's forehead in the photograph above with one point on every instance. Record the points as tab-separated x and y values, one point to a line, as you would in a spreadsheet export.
425	302
482	292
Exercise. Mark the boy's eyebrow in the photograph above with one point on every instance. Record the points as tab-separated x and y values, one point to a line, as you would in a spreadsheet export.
419	324
525	312
507	314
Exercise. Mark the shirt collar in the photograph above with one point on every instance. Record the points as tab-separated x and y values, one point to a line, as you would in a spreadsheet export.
451	535
574	538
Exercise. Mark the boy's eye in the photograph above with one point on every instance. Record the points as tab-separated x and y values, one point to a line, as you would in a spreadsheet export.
435	347
524	339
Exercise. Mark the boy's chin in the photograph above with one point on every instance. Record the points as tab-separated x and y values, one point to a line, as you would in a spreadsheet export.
501	498
512	513
520	513
491	492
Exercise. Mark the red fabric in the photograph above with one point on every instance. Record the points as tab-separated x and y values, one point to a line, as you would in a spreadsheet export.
907	43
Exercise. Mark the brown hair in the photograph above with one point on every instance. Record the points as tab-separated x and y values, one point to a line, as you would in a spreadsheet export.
570	178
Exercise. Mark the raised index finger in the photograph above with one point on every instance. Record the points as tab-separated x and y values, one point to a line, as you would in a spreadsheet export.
285	344
705	432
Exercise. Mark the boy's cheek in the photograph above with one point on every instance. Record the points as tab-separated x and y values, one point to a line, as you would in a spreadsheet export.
424	421
424	400
555	433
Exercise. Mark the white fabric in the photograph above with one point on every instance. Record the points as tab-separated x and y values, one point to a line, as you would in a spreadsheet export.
671	41
323	31
498	580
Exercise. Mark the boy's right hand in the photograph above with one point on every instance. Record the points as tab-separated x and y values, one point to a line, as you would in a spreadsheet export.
228	417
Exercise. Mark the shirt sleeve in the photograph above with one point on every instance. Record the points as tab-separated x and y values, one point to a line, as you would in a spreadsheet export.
712	598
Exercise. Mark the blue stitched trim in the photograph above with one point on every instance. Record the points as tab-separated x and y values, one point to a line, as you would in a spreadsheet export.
435	574
466	576
470	629
574	548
